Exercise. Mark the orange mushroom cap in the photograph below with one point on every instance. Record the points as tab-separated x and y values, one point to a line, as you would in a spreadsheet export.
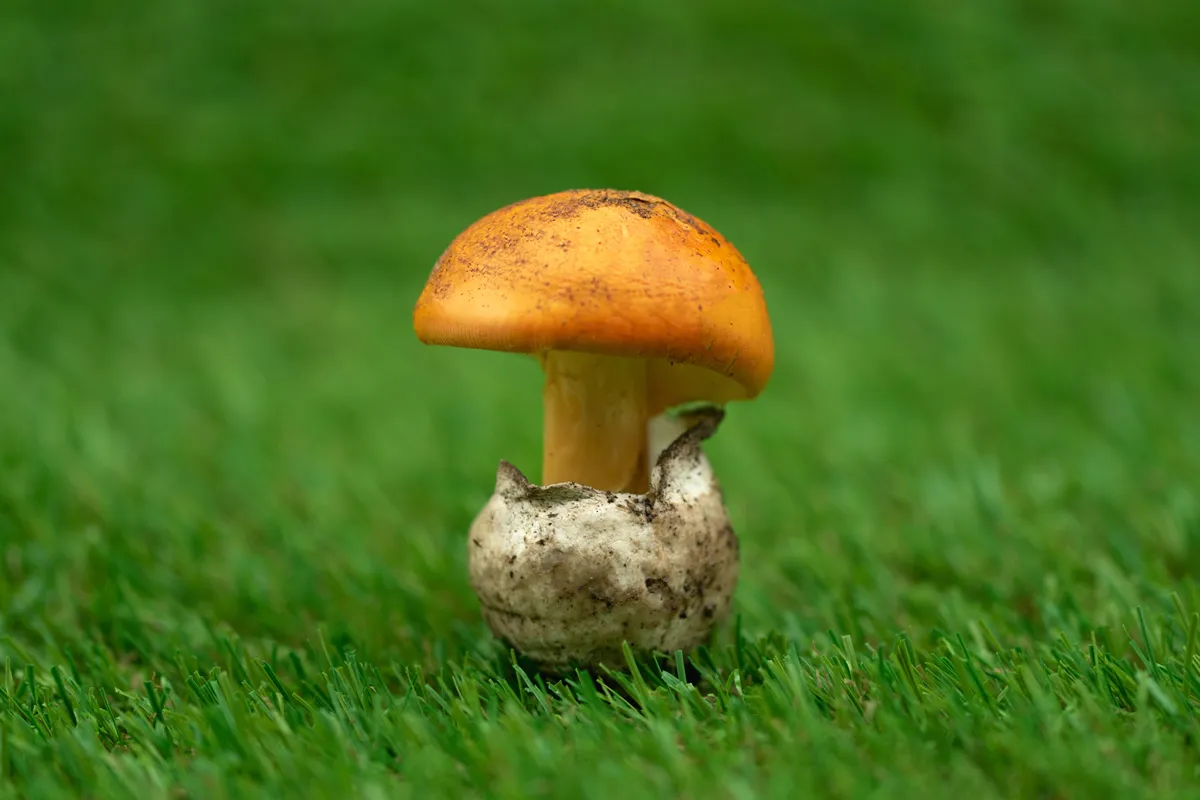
609	273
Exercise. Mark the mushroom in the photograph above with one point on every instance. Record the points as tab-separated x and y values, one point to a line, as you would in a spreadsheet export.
633	307
631	304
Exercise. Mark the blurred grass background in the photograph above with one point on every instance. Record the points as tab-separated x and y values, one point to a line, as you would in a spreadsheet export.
975	223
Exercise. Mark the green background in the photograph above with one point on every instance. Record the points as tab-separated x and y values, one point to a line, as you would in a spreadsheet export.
221	445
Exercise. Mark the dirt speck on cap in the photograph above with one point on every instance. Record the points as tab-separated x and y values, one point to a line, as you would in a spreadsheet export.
571	204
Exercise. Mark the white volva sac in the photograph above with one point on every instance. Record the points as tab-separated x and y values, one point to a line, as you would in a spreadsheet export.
566	573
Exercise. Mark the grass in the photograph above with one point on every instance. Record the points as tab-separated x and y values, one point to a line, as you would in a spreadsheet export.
234	489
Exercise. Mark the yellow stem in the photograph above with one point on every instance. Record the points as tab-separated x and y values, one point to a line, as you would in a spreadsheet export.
595	422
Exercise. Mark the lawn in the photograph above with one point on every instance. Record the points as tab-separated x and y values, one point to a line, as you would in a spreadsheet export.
234	488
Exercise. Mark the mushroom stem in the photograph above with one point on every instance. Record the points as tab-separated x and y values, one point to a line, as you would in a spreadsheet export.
595	421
